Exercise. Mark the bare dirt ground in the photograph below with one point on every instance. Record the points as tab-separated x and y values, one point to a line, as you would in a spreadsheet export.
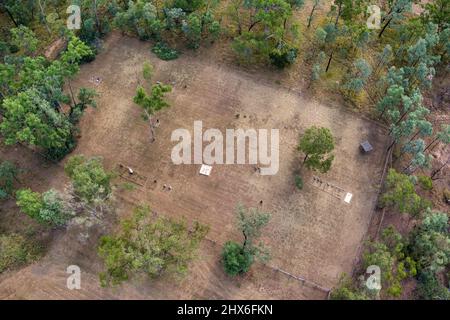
312	234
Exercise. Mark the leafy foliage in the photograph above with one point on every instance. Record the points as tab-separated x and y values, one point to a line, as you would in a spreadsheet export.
347	290
235	259
153	246
15	251
317	144
430	288
268	36
25	39
238	258
140	17
89	179
430	244
389	255
299	182
32	112
153	102
164	52
8	174
401	193
425	182
47	208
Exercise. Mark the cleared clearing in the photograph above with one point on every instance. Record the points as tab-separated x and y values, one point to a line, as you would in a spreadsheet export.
312	233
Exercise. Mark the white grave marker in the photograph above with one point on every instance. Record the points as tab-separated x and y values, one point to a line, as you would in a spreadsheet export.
205	170
348	197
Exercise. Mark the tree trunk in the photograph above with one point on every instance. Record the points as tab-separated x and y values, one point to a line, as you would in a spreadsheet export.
244	245
384	27
338	15
11	17
44	18
311	15
71	93
392	144
329	61
403	152
435	172
429	145
97	22
252	25
304	160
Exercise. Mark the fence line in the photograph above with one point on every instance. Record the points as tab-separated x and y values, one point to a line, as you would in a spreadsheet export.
297	278
374	210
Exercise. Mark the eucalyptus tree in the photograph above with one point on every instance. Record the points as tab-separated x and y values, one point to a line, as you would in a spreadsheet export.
270	33
25	39
316	3
32	112
394	13
359	75
140	17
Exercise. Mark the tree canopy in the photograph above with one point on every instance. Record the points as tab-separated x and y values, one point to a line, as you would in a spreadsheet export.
317	143
148	245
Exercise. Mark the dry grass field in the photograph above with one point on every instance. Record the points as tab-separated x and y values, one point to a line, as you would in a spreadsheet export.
313	233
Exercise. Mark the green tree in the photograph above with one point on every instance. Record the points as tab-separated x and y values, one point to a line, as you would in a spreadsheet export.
359	75
430	288
269	34
316	3
394	13
317	143
29	118
140	17
8	174
25	39
32	111
89	179
437	12
15	251
188	5
152	103
153	246
96	17
347	290
47	208
237	258
402	195
430	244
20	12
389	255
147	71
200	26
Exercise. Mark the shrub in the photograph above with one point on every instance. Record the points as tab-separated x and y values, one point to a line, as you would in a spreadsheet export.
446	194
90	180
236	260
430	288
317	143
15	251
164	52
299	182
47	208
8	173
347	290
425	182
281	58
149	245
401	194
